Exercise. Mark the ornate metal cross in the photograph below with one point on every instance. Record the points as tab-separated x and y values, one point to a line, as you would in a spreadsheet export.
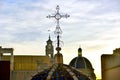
58	16
58	31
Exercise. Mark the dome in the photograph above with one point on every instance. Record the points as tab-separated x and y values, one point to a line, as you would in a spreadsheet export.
83	65
60	72
81	62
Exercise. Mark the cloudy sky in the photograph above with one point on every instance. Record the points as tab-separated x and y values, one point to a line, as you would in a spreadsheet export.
93	24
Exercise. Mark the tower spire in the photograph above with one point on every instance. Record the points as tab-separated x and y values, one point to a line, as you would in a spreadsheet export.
49	34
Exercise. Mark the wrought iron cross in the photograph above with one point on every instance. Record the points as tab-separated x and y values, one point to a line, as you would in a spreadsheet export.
58	16
58	31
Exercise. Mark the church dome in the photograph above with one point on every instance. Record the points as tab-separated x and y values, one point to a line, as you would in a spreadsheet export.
60	72
81	62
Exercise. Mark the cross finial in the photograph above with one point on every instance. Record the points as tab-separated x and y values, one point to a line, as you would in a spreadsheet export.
58	30
58	16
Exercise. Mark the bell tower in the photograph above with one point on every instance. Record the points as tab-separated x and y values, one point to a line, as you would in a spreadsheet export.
49	48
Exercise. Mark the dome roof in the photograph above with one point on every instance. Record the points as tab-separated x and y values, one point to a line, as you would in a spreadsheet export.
81	62
60	72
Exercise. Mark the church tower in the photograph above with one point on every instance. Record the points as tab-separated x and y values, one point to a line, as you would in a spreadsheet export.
49	48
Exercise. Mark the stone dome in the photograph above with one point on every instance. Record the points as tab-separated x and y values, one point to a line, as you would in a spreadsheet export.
60	72
83	65
81	62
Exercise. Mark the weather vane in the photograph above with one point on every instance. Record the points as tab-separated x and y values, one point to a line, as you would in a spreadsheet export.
58	30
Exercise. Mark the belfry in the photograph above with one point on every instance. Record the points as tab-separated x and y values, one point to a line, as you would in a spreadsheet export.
49	48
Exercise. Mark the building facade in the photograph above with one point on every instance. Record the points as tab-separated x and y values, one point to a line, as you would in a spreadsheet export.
23	67
110	65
